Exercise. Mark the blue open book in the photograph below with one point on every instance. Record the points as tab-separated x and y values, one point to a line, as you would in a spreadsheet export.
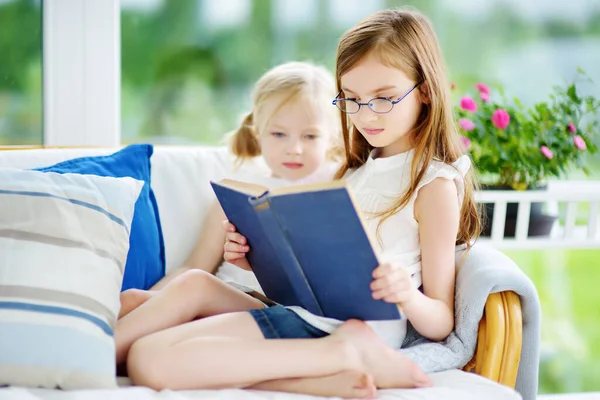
308	247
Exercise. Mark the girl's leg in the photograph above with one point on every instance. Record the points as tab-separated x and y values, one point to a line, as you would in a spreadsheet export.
194	294
346	384
229	350
132	299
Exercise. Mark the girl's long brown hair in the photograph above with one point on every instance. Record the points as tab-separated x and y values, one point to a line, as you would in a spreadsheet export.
405	39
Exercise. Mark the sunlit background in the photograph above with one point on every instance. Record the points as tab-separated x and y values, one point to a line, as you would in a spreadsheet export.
188	67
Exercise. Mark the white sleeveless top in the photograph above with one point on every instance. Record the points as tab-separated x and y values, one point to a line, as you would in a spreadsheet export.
377	185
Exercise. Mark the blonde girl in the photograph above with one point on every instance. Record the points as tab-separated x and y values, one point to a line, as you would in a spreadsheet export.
297	138
404	164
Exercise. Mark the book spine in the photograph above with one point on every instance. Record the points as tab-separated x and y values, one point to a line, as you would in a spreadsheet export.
278	238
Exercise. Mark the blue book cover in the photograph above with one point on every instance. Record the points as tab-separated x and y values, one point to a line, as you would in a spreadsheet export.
308	247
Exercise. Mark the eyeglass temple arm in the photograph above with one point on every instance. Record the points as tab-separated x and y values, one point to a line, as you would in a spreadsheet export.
336	98
405	94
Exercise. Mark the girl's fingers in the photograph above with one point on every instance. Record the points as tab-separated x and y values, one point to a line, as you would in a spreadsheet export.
394	280
382	270
228	226
380	294
235	238
383	282
233	247
391	288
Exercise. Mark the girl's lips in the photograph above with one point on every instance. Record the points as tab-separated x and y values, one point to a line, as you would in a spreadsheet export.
372	131
293	165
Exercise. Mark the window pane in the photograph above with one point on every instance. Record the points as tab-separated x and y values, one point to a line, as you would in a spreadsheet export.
188	66
21	72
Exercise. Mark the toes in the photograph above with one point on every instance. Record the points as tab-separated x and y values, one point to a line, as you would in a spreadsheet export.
420	378
423	382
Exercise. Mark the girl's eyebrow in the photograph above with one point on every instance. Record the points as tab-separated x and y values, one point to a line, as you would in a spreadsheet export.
381	89
312	129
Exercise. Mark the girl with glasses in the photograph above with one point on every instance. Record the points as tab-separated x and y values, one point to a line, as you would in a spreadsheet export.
405	165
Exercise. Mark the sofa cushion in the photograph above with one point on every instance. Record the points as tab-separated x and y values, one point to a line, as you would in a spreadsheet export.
180	181
146	259
63	246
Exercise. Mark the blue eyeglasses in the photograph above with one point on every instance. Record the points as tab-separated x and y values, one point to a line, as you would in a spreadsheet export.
379	105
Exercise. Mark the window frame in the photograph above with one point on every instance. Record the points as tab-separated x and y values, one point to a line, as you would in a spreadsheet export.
81	73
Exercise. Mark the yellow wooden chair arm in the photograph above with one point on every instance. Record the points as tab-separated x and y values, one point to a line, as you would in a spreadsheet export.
499	339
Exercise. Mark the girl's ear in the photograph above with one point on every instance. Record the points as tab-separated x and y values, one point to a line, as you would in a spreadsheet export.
424	93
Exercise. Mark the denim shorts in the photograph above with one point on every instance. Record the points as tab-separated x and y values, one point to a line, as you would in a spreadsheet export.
277	322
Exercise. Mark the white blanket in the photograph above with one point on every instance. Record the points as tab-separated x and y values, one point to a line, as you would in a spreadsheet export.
448	385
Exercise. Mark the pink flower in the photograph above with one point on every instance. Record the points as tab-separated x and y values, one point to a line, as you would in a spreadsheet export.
466	124
466	142
452	85
483	88
500	118
468	104
572	127
579	142
546	152
485	97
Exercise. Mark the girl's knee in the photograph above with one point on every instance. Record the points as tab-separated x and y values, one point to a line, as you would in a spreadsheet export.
195	281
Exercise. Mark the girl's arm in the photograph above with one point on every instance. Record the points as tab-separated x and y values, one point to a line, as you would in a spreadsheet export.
208	251
438	213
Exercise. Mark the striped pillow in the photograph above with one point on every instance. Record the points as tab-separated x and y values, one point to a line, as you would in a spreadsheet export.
63	245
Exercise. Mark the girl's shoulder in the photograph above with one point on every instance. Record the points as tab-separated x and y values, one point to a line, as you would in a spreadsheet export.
455	171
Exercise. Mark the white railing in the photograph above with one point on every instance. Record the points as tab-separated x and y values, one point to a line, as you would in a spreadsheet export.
566	232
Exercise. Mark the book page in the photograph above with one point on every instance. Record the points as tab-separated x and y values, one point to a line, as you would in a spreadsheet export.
251	189
309	187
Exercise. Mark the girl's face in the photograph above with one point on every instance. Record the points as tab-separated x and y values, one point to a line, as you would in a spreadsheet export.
370	79
296	140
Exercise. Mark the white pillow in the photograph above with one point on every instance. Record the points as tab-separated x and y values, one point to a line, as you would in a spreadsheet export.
63	244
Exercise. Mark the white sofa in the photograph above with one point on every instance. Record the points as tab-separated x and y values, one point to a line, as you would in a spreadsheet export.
180	180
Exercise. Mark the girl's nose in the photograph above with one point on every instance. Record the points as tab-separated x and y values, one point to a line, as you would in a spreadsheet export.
365	114
295	147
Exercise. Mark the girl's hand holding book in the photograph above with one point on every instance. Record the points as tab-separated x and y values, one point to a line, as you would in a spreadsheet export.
235	247
393	284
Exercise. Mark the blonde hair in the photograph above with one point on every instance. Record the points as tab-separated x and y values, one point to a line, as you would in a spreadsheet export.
404	39
277	87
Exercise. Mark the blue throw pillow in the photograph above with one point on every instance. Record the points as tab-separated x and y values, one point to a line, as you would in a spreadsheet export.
146	258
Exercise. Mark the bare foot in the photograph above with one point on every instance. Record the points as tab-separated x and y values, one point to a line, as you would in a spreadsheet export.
388	367
346	384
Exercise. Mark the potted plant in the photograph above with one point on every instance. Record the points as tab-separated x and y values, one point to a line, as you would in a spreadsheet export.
515	147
